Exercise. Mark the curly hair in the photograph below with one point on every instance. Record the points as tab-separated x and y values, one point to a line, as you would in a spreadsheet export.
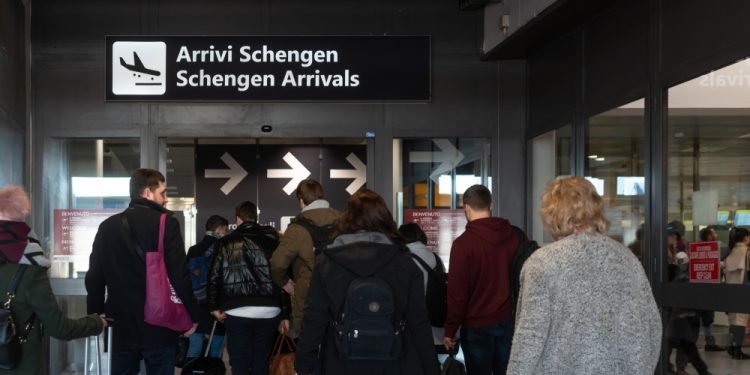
571	204
14	203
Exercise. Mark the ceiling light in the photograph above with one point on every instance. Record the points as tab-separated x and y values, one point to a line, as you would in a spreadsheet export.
745	135
596	156
599	159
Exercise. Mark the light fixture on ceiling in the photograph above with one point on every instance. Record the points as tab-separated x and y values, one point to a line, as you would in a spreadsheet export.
599	159
593	156
745	135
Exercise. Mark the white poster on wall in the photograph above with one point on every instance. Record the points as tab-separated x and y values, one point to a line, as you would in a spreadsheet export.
705	207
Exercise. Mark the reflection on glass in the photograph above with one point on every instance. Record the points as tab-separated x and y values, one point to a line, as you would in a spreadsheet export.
550	157
430	176
614	164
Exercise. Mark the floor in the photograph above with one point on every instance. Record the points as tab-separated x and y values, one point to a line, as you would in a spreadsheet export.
719	363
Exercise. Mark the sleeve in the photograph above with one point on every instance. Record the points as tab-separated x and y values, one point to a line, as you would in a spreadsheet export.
533	320
43	303
314	324
285	254
177	269
95	281
458	289
418	324
215	277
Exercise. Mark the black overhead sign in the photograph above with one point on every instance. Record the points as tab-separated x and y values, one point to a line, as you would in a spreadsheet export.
268	68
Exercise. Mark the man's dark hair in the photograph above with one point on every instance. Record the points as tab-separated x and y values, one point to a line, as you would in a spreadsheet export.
478	197
705	232
142	179
412	233
247	211
216	221
309	191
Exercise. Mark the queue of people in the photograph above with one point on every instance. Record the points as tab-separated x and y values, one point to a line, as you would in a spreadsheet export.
355	301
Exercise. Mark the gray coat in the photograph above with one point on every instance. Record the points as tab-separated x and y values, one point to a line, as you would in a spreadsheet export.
586	307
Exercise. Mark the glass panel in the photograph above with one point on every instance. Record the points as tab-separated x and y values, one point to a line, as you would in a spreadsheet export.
430	176
177	159
85	181
614	164
550	157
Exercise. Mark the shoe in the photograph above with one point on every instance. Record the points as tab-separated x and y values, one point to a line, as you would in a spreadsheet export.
713	348
736	353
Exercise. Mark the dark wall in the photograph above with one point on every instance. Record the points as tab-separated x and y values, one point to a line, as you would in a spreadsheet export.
68	72
12	91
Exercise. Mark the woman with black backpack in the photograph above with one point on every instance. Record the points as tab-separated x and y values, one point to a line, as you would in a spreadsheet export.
366	304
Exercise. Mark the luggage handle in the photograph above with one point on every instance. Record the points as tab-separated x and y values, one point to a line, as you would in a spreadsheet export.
210	339
107	349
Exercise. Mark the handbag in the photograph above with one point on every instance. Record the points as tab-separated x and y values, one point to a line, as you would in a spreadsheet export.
162	308
10	340
282	363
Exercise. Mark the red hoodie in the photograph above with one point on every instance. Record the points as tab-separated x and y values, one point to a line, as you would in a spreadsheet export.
478	282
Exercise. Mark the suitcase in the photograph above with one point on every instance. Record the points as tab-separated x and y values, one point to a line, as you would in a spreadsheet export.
96	368
205	365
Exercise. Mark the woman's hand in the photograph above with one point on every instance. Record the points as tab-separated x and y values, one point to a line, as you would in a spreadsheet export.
284	327
219	315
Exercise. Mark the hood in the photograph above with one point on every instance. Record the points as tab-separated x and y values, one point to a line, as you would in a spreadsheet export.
362	253
494	230
18	244
316	204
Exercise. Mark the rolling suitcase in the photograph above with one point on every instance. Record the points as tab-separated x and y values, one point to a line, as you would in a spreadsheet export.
96	367
205	365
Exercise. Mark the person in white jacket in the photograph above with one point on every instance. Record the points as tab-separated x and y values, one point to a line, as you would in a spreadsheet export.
735	270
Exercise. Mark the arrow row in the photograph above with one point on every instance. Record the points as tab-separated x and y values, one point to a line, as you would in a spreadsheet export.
297	173
359	173
235	173
448	156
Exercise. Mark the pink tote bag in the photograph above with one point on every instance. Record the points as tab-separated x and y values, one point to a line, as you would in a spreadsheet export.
163	308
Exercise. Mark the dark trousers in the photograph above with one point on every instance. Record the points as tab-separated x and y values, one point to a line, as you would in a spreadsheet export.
249	344
158	361
487	349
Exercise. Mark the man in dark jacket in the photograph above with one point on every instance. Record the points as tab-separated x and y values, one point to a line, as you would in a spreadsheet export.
296	248
478	287
198	261
242	295
117	266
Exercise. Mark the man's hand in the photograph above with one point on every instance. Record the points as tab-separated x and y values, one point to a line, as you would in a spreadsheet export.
449	343
289	287
189	332
284	327
219	315
103	317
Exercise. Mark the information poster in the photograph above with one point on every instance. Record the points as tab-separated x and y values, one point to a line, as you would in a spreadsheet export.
704	262
75	230
442	227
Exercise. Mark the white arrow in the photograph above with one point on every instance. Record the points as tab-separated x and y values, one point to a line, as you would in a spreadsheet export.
448	156
297	173
359	173
235	173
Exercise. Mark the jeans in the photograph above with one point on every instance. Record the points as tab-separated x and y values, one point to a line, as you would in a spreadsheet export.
196	346
158	361
249	344
487	349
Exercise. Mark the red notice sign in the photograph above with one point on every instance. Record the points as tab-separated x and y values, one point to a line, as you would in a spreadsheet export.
704	262
75	231
441	226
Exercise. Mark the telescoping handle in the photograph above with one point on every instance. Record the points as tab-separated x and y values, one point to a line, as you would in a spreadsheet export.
97	368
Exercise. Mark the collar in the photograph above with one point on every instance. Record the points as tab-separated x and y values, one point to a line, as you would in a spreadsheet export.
318	203
145	203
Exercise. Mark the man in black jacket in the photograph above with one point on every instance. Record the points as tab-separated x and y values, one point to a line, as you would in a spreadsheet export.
117	266
242	295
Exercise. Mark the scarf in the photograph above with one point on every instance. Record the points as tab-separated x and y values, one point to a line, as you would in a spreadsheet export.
18	244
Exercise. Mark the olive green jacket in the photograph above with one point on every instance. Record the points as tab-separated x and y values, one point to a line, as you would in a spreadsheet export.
34	294
296	250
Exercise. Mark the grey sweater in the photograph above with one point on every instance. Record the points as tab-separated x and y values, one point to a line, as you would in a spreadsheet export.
586	307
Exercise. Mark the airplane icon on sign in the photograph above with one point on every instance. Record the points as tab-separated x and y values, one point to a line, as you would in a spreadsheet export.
138	67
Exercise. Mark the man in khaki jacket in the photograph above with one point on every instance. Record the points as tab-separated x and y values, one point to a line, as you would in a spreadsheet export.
296	248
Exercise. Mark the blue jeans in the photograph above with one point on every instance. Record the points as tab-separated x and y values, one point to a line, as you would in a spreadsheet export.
158	361
487	349
249	344
196	346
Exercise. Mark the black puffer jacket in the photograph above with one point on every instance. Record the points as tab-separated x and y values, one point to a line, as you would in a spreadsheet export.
239	274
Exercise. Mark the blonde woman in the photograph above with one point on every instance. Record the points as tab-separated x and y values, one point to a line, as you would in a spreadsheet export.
586	306
735	269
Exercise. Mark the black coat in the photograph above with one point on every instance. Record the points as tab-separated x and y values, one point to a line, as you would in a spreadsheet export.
120	269
327	293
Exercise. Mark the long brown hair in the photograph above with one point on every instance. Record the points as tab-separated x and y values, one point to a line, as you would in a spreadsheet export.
366	210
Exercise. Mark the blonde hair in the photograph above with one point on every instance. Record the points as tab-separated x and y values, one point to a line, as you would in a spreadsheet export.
571	204
14	203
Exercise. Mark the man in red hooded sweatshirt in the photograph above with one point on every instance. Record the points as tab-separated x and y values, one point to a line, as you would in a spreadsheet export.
478	287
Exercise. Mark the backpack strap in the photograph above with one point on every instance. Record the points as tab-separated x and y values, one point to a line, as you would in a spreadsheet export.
132	242
423	263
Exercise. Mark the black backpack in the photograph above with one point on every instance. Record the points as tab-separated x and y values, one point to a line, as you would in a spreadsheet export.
436	296
364	328
320	235
523	252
